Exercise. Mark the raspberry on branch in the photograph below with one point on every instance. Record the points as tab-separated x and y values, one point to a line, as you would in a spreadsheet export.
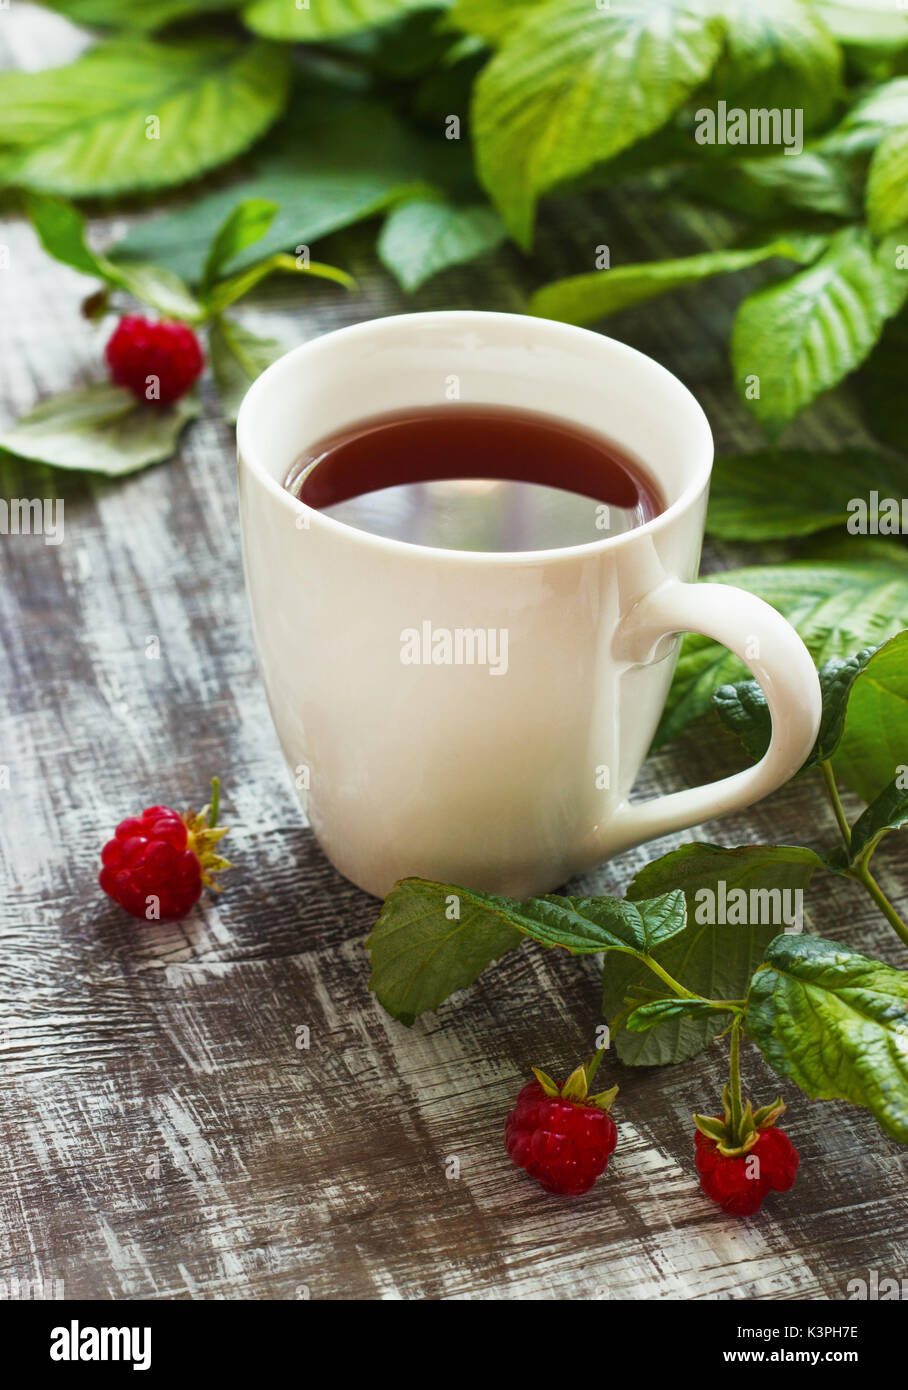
740	1155
738	1183
156	360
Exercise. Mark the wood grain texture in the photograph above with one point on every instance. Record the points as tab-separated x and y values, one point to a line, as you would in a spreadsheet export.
163	1134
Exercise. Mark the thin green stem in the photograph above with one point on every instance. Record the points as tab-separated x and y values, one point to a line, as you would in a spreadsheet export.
215	802
832	792
734	1079
664	976
593	1066
861	872
682	993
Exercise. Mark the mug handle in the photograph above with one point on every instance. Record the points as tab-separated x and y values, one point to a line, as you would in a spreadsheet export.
784	670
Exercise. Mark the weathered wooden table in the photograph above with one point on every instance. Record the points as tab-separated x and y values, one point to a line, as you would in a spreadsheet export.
163	1135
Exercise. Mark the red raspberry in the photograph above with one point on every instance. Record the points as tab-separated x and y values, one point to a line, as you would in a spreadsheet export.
562	1137
168	352
156	864
739	1182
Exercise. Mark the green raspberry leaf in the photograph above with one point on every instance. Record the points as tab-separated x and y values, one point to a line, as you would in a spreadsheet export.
797	338
491	20
434	938
836	1023
83	129
572	85
774	494
61	232
887	812
757	868
424	236
869	121
875	738
584	299
246	224
667	1011
101	428
761	188
714	959
887	184
777	54
641	926
743	709
144	18
325	19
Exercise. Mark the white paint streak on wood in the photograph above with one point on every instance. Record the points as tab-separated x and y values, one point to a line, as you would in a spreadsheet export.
41	1151
325	1168
189	1149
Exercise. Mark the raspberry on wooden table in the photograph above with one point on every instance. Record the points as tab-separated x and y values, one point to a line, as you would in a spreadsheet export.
562	1136
157	864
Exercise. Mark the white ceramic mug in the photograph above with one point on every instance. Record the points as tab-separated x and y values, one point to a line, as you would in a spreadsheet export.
508	782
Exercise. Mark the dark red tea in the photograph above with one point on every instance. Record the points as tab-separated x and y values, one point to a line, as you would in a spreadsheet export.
476	478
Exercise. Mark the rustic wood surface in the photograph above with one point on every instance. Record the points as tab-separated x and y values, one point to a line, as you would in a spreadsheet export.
163	1135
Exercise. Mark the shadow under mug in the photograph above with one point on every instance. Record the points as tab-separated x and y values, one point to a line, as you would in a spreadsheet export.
503	775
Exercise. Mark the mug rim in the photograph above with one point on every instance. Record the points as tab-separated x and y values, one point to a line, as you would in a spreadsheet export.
689	494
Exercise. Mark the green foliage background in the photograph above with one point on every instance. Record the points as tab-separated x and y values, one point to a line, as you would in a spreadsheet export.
343	111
